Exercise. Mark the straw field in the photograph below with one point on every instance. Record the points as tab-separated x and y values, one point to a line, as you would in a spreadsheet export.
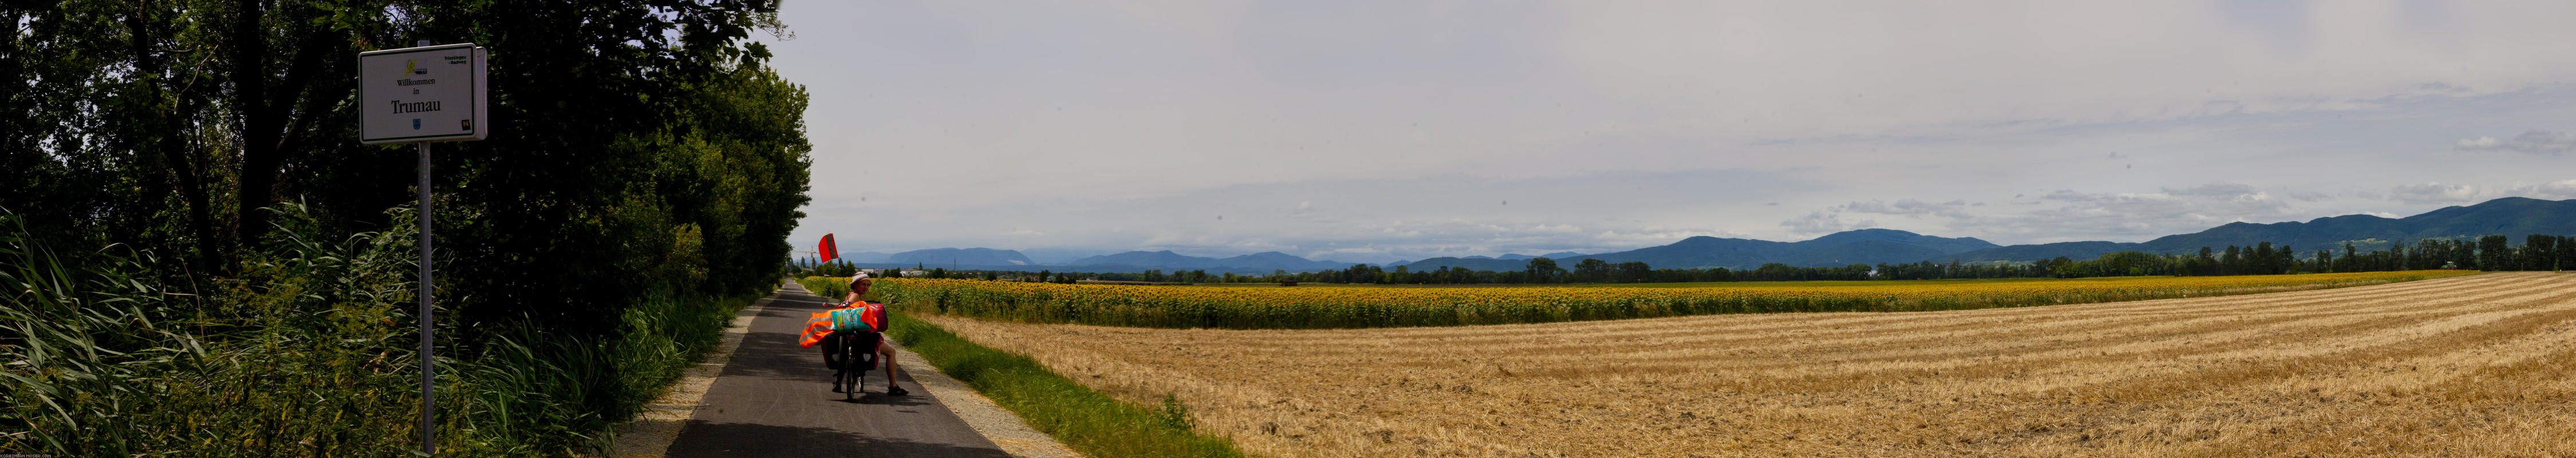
2481	365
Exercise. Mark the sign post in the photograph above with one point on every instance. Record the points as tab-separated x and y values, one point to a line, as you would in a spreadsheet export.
419	95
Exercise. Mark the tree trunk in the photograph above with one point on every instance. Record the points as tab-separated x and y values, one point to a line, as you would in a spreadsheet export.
259	124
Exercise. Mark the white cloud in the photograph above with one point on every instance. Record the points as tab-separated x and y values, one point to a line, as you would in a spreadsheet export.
2434	193
2217	190
1821	222
2063	214
2533	142
2555	190
2310	196
1909	207
1821	68
2133	216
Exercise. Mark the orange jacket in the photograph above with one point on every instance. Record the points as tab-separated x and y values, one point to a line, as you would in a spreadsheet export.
821	322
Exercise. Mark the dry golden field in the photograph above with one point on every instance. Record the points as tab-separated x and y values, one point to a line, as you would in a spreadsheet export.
2481	365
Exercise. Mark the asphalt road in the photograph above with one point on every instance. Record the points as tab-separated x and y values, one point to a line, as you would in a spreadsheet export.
775	400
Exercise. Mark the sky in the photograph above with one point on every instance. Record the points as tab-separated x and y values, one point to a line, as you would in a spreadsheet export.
1375	131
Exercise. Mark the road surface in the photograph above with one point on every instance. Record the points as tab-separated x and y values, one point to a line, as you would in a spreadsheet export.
774	399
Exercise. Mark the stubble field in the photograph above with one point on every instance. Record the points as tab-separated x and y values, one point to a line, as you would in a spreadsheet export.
2482	365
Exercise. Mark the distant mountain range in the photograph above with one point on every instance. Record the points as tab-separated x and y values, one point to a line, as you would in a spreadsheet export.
1865	246
1262	262
969	257
2512	216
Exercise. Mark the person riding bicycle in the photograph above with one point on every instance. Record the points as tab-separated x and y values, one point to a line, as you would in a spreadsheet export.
821	324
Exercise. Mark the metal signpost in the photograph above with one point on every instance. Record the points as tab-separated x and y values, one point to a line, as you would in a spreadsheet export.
419	95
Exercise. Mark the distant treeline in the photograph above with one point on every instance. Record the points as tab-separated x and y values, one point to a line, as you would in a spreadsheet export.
2493	252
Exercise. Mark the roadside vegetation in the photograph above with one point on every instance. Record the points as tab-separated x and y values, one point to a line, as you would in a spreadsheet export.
308	352
203	261
1309	307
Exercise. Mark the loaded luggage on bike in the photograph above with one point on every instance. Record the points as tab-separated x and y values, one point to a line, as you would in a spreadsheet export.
849	335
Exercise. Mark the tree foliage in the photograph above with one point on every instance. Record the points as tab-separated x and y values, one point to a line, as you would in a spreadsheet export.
638	147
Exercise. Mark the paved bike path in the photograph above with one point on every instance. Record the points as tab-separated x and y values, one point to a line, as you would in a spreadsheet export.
775	400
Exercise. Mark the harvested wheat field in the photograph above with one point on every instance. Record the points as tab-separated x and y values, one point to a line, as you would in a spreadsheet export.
2481	365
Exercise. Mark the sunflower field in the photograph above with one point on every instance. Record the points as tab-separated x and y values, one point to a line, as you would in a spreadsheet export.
1309	307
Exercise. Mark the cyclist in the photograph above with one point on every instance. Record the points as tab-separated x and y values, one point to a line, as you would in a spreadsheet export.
821	324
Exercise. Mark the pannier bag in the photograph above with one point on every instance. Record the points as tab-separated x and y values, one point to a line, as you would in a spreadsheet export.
869	318
849	348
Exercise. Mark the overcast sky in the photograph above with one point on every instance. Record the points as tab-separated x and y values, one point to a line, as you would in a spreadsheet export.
1373	131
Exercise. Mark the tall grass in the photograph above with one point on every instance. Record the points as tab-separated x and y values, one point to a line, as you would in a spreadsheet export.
309	352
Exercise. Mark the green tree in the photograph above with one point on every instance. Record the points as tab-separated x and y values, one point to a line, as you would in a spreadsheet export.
1542	270
1633	271
2566	253
1591	270
2539	252
2494	254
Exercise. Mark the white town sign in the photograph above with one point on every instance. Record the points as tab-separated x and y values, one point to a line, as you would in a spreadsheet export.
422	94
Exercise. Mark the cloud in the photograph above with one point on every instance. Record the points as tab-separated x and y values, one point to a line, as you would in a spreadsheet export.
2555	190
1909	207
1822	222
2069	195
2065	214
2433	193
2533	142
2133	215
1980	66
2217	190
2117	155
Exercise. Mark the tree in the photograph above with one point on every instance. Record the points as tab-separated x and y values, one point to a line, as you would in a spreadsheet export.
2493	253
171	125
2566	253
2539	252
1633	271
1542	270
1591	270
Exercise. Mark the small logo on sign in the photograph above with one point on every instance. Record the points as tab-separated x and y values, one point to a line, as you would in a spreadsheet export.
415	123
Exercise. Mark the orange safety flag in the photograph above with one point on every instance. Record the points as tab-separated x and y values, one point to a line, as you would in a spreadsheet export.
820	323
829	252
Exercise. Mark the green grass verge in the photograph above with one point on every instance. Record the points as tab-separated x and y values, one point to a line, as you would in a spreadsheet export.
1090	422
